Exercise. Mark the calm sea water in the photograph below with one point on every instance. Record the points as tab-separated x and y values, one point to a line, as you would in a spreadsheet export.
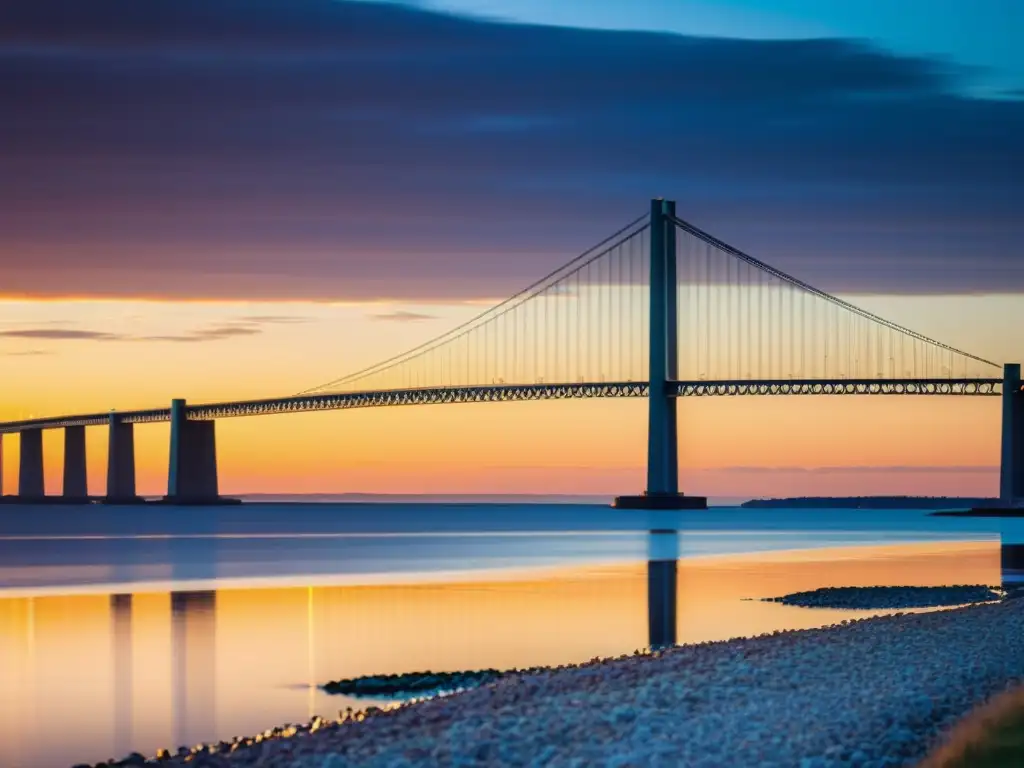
128	629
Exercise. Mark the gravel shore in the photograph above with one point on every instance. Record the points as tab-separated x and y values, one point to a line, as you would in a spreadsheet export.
869	693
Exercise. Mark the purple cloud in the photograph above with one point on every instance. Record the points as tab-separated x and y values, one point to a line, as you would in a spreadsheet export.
327	150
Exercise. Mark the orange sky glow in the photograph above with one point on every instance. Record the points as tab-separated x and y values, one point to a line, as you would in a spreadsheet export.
847	445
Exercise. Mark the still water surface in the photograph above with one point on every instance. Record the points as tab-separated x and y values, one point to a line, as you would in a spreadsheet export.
126	630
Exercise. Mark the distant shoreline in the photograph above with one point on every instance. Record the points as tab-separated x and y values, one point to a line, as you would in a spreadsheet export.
871	502
428	498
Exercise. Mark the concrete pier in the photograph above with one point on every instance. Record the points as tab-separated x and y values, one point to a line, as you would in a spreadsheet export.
76	484
1011	467
120	461
31	482
192	474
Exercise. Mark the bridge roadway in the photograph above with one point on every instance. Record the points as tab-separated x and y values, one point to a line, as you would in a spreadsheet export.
518	392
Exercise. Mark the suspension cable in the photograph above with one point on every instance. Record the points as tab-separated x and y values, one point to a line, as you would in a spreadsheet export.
522	295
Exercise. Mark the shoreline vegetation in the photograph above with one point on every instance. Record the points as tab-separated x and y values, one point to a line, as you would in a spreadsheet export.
871	693
990	736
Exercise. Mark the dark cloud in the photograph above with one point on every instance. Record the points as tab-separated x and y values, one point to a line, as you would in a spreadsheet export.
344	150
402	316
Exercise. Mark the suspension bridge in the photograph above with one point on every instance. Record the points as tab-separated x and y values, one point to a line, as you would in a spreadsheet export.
660	309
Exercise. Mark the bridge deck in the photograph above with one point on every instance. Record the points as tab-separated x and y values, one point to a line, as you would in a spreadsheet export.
517	392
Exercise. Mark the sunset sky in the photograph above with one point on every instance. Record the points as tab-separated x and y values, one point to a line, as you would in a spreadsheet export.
224	199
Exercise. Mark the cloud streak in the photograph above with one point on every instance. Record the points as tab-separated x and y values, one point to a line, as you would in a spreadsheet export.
245	326
403	316
274	319
215	333
60	334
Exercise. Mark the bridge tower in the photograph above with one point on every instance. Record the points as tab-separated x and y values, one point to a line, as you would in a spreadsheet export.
1011	466
76	483
662	426
192	473
31	483
120	462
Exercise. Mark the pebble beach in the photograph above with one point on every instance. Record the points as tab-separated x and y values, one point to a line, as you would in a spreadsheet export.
872	693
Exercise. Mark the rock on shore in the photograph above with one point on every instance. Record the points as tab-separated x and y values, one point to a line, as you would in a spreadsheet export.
869	693
415	683
881	598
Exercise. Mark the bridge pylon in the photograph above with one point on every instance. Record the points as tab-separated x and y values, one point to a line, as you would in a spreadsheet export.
662	425
76	481
192	472
120	462
1011	465
31	483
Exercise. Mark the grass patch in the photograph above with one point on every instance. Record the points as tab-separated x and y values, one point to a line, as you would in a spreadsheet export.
990	736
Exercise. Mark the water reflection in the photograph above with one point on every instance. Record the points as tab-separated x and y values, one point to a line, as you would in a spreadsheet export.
662	575
1011	556
194	662
123	664
143	670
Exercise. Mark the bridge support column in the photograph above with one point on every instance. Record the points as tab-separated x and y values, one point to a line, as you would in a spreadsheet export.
31	483
1	465
192	474
76	484
662	435
1011	466
120	462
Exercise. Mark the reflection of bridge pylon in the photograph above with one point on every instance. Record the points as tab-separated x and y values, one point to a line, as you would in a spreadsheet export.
194	666
662	570
121	648
1011	562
